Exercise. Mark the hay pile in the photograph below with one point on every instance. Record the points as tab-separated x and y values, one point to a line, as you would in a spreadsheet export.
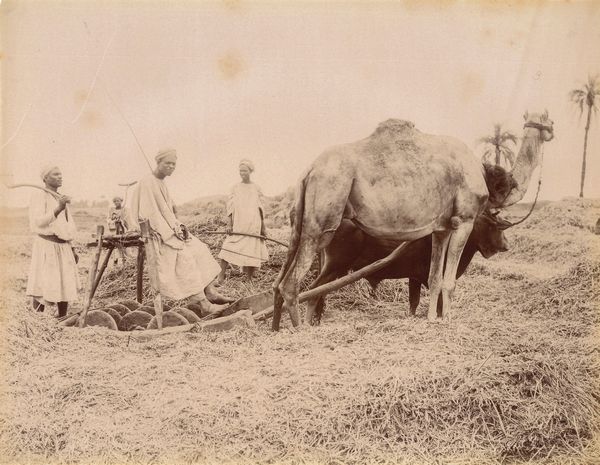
513	379
208	209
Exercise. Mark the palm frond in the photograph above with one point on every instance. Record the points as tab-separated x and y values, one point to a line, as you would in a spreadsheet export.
586	95
488	157
509	136
508	155
486	140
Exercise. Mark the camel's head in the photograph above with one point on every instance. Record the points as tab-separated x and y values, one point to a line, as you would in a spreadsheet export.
542	122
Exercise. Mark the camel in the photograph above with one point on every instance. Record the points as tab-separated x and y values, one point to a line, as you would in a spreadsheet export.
399	184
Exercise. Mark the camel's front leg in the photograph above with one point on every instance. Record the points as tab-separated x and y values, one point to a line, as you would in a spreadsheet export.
456	245
439	244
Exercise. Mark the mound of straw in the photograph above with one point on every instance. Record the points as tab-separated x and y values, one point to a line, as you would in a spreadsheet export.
513	378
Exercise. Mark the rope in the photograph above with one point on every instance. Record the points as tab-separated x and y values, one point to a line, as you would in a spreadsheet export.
510	223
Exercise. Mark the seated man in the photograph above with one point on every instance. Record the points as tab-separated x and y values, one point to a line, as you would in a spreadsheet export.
185	266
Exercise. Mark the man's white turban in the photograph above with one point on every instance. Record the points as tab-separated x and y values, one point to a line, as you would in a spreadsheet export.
248	164
166	155
46	170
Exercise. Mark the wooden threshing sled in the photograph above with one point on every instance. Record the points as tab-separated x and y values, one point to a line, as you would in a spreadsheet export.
256	307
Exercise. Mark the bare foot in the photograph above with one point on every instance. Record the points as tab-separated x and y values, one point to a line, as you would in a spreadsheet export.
215	297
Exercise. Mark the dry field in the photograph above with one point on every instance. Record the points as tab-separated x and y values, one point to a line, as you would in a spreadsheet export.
514	378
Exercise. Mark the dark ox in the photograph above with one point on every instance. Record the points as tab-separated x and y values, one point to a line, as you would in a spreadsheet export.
352	249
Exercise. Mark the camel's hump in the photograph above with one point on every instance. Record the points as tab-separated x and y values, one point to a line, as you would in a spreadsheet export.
395	127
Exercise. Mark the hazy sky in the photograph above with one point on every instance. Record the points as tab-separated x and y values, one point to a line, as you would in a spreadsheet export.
278	83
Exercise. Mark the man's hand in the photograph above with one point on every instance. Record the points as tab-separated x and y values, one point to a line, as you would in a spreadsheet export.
178	233
185	232
63	200
263	230
181	233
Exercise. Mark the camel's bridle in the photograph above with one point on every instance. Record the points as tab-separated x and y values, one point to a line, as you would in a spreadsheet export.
502	223
540	127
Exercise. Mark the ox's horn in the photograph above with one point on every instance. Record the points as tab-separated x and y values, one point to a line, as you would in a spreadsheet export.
526	115
501	223
546	113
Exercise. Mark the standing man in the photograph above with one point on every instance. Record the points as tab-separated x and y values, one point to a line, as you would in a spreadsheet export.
245	215
116	218
117	223
53	271
185	265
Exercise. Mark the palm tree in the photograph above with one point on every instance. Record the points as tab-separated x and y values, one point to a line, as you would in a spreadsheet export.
497	147
586	96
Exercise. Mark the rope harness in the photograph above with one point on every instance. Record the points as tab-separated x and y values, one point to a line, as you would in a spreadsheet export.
502	223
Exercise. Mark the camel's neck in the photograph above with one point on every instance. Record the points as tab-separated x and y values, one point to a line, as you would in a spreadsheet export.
527	160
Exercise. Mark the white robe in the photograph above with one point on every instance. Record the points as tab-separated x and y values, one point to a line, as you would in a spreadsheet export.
245	206
183	268
53	271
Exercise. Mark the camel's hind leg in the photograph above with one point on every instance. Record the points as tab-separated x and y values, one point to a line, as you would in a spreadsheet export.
456	245
325	199
289	285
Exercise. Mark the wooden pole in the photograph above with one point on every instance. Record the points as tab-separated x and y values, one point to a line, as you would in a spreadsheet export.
92	277
341	282
350	278
152	270
258	236
140	274
101	271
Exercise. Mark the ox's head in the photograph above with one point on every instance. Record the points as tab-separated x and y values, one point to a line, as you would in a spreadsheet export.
488	231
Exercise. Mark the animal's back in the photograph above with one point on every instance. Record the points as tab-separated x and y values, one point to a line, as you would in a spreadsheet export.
396	170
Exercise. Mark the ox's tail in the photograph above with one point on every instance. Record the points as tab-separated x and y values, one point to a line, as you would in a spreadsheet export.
296	220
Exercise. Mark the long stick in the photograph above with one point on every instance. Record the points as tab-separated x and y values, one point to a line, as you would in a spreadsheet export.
35	186
56	195
258	236
92	277
128	125
127	186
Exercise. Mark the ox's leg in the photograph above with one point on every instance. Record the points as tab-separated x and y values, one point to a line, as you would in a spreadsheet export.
439	245
316	307
414	295
335	261
456	245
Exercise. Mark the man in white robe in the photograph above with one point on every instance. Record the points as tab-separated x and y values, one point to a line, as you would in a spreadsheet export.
245	215
53	270
185	266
